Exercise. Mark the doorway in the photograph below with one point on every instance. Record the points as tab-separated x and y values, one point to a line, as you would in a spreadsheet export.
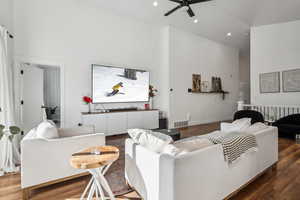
40	95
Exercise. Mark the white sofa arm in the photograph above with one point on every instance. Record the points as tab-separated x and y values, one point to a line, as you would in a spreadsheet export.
47	160
196	174
76	131
150	173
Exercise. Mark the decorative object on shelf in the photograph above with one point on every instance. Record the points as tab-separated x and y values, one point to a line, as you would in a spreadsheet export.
269	82
216	84
10	155
152	94
291	80
196	83
205	86
88	101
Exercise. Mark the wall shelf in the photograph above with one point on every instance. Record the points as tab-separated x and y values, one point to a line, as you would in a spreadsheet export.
223	93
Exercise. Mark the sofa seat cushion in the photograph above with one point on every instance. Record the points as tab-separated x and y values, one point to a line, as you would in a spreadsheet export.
153	141
46	130
182	147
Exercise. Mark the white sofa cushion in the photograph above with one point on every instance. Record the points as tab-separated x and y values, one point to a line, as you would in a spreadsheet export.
193	145
47	130
153	141
182	147
237	125
256	128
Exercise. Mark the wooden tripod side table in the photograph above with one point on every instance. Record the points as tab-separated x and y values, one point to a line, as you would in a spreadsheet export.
97	161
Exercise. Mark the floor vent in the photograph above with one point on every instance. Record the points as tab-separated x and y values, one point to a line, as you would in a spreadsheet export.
181	124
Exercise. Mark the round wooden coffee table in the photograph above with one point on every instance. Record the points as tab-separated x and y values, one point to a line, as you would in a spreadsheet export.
97	161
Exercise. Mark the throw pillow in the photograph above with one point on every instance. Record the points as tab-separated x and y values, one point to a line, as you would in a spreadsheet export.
183	147
172	150
31	134
46	130
256	128
237	125
153	141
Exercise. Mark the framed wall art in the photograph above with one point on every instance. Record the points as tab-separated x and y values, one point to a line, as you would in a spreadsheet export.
291	80
269	82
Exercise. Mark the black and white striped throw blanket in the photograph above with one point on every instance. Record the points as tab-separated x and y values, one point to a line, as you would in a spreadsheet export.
234	144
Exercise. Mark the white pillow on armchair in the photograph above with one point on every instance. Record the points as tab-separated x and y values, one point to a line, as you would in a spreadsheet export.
46	130
237	125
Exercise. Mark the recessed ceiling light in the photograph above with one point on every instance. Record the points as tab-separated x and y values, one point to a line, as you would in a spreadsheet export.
155	3
229	34
195	21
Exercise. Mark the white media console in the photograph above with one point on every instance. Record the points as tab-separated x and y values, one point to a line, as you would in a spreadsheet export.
114	123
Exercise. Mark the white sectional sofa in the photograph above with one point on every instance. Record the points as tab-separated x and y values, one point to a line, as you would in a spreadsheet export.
201	175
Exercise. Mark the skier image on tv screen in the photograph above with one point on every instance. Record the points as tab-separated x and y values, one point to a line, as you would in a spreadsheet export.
116	89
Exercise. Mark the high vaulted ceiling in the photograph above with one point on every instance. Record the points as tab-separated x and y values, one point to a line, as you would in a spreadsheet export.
215	18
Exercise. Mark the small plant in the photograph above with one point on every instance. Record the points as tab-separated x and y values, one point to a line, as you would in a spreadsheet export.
152	91
88	101
14	130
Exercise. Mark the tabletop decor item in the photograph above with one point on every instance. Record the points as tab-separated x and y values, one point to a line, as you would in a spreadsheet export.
88	101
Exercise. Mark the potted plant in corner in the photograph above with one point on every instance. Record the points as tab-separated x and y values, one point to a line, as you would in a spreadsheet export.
9	152
152	94
88	101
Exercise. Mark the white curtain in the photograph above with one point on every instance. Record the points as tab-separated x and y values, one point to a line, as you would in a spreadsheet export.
9	154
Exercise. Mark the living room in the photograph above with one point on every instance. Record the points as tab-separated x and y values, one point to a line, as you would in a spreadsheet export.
204	62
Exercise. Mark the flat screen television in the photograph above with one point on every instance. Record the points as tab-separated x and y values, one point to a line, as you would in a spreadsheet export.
116	85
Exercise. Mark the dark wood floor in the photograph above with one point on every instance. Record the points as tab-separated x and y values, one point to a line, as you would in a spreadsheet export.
283	183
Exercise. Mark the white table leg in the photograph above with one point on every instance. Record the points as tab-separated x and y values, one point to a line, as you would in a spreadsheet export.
97	184
86	189
92	191
105	185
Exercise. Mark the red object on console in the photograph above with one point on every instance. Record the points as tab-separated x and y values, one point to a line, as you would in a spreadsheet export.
147	106
87	99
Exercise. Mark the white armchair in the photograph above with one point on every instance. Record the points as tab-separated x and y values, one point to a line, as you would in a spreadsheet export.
46	161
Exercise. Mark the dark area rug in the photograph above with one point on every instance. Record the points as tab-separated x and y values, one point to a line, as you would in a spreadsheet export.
116	174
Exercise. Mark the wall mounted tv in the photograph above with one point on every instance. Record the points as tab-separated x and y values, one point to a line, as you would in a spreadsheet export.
116	85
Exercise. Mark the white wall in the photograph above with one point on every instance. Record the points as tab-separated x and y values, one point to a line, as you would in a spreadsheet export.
76	34
6	13
274	48
192	54
244	93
